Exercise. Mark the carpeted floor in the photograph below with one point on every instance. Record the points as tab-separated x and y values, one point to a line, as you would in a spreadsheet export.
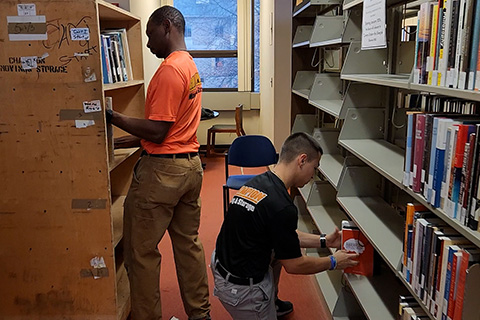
301	290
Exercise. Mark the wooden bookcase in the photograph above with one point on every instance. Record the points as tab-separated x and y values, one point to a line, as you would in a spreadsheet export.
362	166
61	200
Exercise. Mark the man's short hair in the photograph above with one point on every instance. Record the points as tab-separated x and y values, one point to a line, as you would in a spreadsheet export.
299	143
169	13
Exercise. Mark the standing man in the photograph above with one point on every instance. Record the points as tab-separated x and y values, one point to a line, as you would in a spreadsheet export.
260	232
165	190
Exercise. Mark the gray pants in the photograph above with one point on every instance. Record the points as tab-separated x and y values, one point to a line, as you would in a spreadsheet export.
251	302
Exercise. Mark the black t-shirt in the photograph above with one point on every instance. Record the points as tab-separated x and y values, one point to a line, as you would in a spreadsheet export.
261	218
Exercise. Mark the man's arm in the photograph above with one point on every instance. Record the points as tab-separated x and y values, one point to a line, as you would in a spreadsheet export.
311	265
154	131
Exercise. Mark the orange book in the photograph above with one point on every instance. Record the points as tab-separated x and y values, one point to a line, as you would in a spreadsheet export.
353	240
411	209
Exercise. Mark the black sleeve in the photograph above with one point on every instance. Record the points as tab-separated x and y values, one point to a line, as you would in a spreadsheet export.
286	244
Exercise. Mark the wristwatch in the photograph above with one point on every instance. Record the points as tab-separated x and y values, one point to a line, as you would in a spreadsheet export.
323	240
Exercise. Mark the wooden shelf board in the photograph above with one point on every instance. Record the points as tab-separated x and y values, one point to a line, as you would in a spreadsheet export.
390	80
123	294
377	295
382	156
332	107
122	155
331	166
121	85
304	93
117	219
379	223
108	11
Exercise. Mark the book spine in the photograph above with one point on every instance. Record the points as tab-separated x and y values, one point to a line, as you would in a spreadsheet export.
408	149
473	203
472	65
452	42
418	151
444	43
433	45
431	166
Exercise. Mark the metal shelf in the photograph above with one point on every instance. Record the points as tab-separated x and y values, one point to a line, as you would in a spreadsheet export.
331	166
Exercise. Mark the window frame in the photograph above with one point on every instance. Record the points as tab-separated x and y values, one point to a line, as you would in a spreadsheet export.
244	52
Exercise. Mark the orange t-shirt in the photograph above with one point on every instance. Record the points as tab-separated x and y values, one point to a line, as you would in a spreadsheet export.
174	95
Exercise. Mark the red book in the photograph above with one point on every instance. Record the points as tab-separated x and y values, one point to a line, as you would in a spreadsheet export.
418	151
353	240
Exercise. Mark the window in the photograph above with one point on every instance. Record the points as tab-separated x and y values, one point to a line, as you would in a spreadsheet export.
221	49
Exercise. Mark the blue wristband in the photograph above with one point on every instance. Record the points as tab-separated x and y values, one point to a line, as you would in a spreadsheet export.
333	263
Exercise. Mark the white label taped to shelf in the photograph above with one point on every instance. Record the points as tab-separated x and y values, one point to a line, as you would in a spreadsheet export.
92	106
26	9
373	25
27	28
77	34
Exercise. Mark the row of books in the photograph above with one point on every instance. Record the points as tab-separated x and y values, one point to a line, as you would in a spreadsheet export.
447	44
442	163
410	309
436	260
435	103
116	62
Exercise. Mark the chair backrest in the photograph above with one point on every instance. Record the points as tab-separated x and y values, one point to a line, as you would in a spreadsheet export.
239	120
251	151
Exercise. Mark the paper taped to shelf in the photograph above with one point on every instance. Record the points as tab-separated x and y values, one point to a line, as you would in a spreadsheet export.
27	28
26	9
374	25
92	106
77	34
80	124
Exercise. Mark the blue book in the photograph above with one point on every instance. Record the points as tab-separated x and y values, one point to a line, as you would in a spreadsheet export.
408	149
439	164
104	65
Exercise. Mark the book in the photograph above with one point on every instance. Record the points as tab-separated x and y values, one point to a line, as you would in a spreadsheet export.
409	216
466	177
444	43
423	42
472	65
439	162
469	257
418	151
353	240
428	138
450	154
409	148
433	46
452	42
464	131
428	190
463	44
474	199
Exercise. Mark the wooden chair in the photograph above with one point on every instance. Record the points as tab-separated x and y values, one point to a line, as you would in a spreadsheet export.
225	128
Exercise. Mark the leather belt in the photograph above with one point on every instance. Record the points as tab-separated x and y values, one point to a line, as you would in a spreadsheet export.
234	279
171	156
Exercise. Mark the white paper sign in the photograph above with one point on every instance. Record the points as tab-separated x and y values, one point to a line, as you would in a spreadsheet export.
26	9
80	124
92	106
77	34
373	24
28	62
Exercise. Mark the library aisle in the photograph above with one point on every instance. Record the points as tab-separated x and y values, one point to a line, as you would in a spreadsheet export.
301	290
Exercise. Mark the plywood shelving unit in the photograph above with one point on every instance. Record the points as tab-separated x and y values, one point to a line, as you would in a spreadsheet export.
61	200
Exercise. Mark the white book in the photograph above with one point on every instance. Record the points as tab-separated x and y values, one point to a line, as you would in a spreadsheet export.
458	50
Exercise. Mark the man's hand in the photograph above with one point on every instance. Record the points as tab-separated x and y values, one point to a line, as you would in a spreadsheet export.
334	239
345	259
108	115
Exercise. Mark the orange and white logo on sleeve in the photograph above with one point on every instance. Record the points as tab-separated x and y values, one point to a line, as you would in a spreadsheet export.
195	86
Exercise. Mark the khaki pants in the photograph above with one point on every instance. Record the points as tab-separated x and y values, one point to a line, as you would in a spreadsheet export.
165	195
